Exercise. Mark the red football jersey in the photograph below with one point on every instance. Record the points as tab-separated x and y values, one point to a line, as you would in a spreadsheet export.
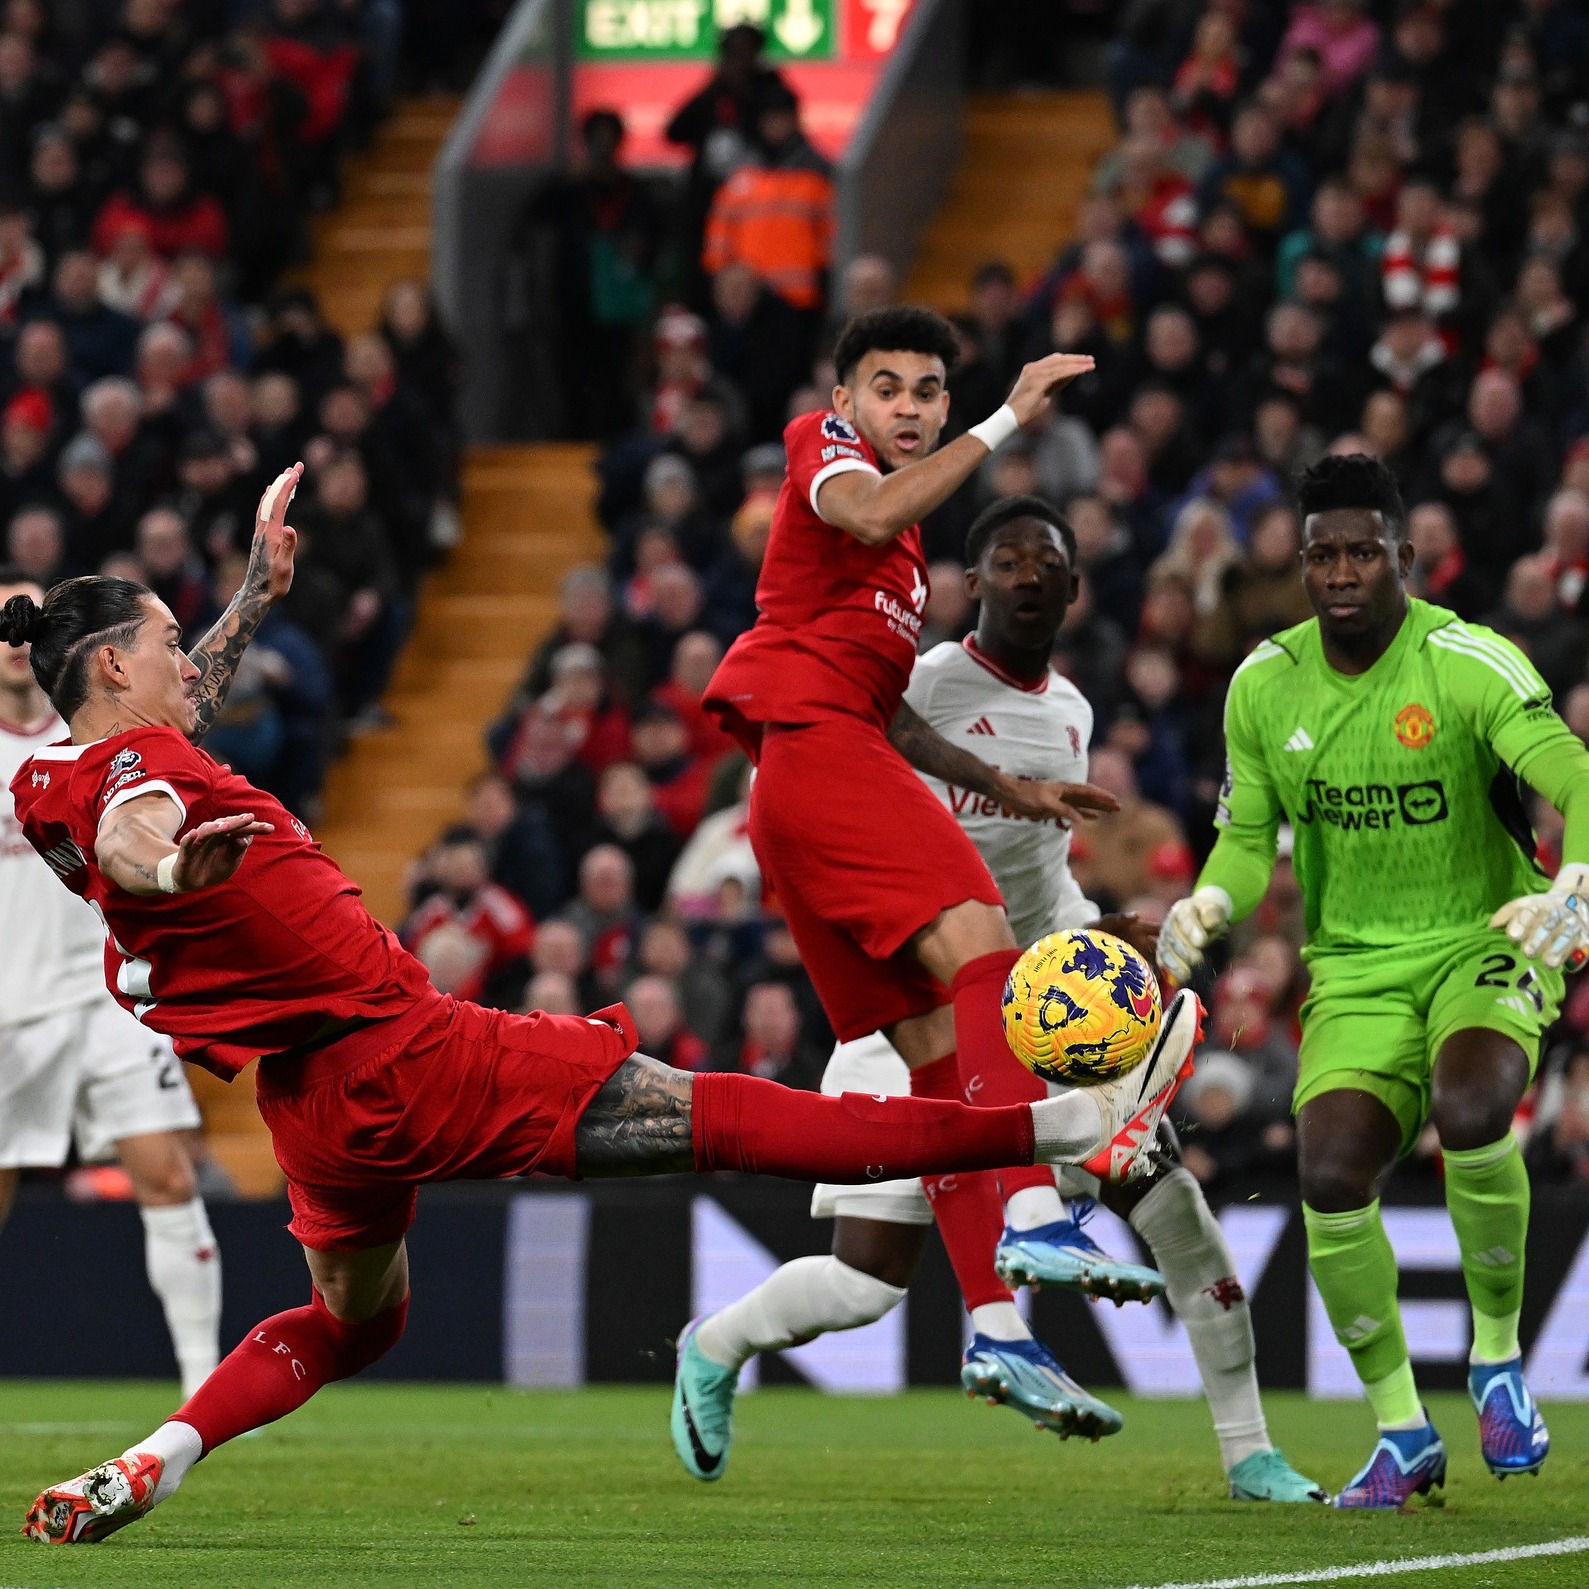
256	965
838	620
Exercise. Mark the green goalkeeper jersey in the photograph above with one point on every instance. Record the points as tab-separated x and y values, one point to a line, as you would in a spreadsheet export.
1402	785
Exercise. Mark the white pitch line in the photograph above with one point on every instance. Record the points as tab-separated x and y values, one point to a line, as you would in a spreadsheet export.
1574	1546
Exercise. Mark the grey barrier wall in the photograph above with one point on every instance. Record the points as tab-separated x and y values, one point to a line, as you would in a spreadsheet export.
899	164
542	1284
490	273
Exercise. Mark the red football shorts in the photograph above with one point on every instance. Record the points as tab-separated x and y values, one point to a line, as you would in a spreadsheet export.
447	1091
861	856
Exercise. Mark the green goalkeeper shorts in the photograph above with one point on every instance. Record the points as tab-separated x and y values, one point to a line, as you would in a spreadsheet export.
1375	1020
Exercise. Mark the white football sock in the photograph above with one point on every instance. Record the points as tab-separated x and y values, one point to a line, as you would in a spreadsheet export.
1000	1321
184	1266
178	1446
1068	1128
1190	1250
805	1298
1033	1206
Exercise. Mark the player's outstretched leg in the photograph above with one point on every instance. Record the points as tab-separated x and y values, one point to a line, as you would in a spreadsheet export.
1172	1216
280	1364
1479	1077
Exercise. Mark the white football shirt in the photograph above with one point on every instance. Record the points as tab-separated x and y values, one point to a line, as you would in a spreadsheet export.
52	944
1036	731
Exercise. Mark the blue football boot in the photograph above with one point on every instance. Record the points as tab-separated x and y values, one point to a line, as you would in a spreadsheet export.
1063	1254
1405	1463
1512	1435
1025	1375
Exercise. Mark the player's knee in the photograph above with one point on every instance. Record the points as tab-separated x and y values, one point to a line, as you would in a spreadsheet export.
167	1184
360	1342
1333	1184
1467	1117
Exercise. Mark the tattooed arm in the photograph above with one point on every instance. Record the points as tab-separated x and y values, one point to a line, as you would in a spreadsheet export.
638	1124
269	577
137	836
929	752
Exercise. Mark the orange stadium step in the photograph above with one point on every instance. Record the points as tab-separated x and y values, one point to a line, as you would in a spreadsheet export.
1026	167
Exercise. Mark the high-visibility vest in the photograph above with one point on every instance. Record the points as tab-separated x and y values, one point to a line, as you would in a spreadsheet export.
780	224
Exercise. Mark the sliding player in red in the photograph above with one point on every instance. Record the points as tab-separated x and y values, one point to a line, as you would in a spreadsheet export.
897	919
232	933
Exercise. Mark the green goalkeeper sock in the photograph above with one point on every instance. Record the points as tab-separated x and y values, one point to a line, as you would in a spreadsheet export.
1487	1193
1355	1271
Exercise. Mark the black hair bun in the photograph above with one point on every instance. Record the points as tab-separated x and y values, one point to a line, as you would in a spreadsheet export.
20	620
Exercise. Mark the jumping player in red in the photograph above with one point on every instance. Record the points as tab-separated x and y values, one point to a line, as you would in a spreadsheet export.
231	932
896	916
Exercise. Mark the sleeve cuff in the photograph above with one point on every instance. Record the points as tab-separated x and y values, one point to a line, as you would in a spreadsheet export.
827	472
138	791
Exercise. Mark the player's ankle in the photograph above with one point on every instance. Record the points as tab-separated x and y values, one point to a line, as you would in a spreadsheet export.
178	1446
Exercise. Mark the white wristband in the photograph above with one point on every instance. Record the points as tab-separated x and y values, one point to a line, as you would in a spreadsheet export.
996	429
165	873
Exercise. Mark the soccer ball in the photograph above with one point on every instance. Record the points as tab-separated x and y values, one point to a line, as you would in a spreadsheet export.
1080	1007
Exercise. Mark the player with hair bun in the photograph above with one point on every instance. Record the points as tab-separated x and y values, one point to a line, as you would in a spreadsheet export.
231	932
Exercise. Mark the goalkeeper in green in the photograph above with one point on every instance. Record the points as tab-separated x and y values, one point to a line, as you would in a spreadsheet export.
1395	739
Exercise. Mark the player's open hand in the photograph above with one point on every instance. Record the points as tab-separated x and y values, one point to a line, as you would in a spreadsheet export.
1066	803
1046	378
270	559
213	851
1142	935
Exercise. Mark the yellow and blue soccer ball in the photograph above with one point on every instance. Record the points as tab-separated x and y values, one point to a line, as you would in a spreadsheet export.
1080	1007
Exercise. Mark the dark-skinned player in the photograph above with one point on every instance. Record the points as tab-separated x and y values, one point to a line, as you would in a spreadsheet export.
1395	739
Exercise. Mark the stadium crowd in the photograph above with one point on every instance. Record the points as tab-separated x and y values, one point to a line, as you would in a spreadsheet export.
158	166
1338	226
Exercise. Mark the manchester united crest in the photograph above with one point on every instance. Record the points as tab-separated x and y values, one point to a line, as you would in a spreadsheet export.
1414	726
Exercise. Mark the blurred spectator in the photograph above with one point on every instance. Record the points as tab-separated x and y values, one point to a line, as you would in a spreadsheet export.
462	899
1440	570
607	233
1111	855
522	850
554	993
605	914
653	1001
560	951
627	818
587	615
174	571
1220	1125
678	779
35	546
773	1044
775	213
756	340
1556	642
665	951
1558	1145
1261	593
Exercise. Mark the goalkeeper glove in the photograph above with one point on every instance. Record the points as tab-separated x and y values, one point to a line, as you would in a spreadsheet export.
1552	927
1191	924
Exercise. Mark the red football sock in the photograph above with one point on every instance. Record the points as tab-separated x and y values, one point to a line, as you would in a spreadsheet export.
281	1363
966	1206
746	1123
989	1072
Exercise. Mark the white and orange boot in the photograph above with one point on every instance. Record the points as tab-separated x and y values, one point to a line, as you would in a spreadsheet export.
91	1507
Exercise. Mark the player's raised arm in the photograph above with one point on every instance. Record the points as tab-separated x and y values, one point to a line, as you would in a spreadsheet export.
137	847
269	577
929	752
898	402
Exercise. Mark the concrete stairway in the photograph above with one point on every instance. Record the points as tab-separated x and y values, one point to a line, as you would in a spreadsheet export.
1027	164
527	514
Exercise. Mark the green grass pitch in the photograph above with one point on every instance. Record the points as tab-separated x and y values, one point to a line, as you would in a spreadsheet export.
400	1486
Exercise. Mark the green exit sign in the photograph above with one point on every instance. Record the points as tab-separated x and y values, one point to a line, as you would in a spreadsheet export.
797	30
